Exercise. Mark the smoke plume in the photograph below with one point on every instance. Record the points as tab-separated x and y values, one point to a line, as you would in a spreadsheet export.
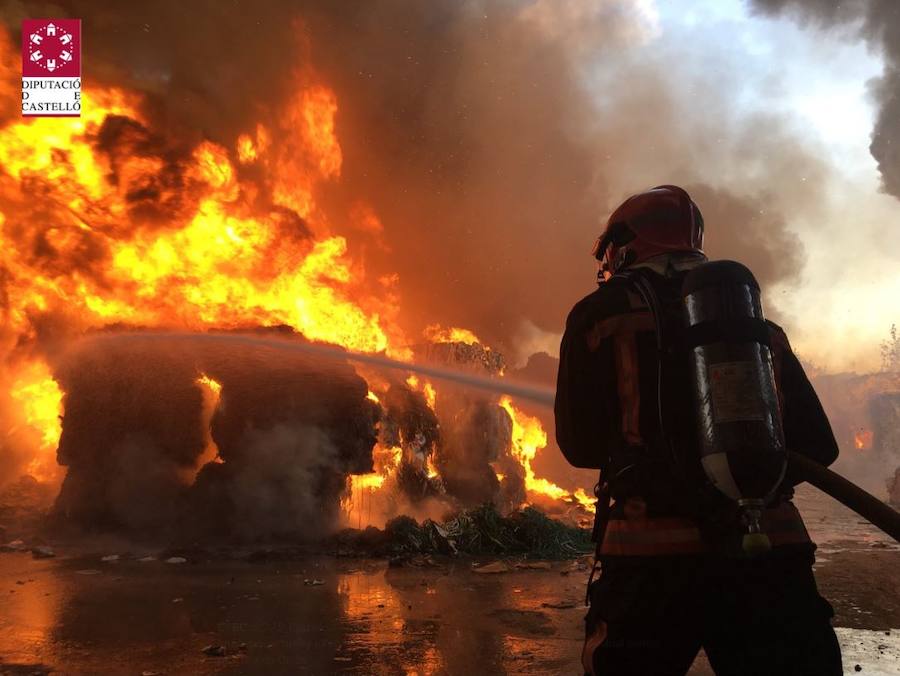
878	22
491	138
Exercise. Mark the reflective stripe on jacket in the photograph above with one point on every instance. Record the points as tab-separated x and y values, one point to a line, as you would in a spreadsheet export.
666	536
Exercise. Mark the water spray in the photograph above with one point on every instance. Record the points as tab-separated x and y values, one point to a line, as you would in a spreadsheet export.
538	395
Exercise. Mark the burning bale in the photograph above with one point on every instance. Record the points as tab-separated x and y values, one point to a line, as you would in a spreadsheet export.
477	434
480	450
130	436
440	450
410	424
471	356
287	431
474	456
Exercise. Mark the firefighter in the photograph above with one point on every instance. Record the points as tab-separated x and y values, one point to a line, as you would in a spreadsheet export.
671	575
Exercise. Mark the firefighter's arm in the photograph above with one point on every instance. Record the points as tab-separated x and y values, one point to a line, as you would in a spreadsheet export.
582	406
806	427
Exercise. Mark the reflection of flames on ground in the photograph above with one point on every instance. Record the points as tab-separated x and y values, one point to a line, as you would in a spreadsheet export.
106	222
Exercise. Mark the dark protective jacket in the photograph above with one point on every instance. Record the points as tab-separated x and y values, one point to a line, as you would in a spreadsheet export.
607	409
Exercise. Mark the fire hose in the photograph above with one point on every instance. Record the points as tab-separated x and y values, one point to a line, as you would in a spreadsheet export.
846	492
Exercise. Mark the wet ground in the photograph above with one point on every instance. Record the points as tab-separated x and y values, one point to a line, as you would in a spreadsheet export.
78	614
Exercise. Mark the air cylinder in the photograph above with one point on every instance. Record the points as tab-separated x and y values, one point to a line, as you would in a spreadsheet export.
742	447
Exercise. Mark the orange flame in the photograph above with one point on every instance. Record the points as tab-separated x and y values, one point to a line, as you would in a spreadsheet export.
219	261
212	394
427	389
361	487
438	334
862	439
430	395
584	499
529	437
40	399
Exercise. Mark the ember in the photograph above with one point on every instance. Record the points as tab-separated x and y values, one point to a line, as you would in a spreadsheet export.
862	439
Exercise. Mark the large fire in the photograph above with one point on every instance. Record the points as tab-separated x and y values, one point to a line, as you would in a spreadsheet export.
102	222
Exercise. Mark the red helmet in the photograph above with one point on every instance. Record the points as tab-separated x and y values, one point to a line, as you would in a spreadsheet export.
654	222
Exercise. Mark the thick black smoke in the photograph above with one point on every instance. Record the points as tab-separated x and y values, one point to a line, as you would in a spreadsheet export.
878	22
470	126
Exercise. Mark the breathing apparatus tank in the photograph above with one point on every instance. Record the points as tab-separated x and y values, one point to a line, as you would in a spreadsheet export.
742	448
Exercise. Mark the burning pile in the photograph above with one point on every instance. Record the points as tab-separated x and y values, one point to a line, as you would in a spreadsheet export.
108	224
865	414
258	445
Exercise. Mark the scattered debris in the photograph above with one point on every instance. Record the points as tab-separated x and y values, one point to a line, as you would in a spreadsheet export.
42	552
482	530
495	567
178	600
14	546
214	650
150	673
533	565
176	559
312	582
147	559
111	558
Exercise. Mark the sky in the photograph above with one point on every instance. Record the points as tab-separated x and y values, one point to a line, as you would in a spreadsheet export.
818	82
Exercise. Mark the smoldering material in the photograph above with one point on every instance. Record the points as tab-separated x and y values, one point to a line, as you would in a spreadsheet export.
410	424
480	434
476	439
292	421
288	430
131	427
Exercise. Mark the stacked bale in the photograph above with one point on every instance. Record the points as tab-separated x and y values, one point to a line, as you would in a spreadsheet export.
289	428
